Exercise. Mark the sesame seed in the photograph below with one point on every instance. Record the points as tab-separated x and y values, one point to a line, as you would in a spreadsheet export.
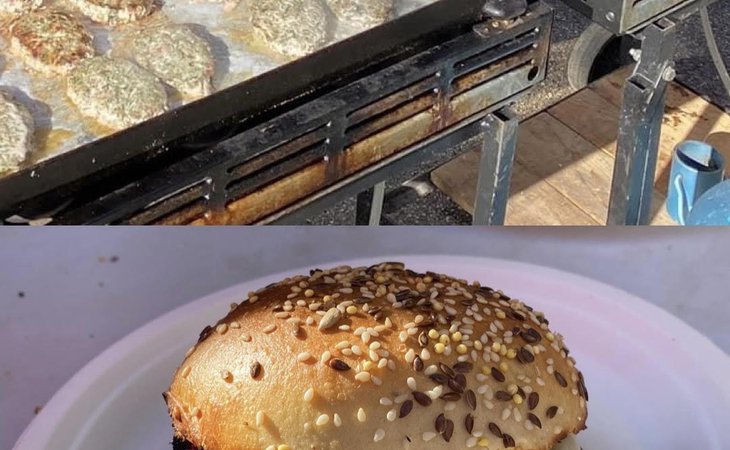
425	354
411	383
270	328
410	356
385	401
330	319
337	420
506	412
227	376
363	377
259	418
361	417
326	356
304	356
222	328
428	435
308	395
439	348
391	415
322	420
185	372
379	435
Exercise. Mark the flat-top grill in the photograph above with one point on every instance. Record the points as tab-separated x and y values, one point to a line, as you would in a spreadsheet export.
274	144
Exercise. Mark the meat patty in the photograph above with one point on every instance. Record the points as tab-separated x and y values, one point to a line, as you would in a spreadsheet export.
116	92
363	13
19	6
115	12
177	56
16	133
293	28
50	41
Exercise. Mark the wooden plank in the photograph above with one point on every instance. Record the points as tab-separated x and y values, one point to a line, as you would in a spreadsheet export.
532	201
591	116
568	162
572	165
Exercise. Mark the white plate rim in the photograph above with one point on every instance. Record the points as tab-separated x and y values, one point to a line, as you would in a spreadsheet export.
36	434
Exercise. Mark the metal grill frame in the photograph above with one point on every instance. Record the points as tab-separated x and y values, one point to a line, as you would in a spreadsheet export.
39	187
202	183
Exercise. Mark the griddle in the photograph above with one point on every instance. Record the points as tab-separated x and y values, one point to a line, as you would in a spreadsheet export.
82	179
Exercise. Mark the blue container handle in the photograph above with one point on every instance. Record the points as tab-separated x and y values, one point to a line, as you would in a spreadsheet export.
682	203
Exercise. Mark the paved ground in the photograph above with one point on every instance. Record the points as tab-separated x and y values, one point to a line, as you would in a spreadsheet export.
694	67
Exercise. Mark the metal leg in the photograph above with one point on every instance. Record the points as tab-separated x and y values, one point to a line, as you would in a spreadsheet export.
640	127
369	208
495	168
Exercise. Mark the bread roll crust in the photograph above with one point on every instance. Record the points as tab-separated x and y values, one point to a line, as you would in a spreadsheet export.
377	358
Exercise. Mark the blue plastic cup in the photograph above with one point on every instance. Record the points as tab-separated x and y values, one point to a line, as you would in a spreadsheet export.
696	168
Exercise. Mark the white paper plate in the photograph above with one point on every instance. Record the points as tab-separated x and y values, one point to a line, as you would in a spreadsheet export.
654	382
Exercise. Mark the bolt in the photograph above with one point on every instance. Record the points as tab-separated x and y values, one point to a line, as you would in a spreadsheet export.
669	74
610	16
635	53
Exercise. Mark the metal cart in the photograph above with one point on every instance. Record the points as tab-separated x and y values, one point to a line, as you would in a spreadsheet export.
619	25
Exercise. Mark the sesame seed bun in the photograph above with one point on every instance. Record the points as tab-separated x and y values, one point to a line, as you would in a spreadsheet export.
377	358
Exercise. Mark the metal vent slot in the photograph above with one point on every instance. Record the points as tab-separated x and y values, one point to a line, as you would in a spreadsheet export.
393	111
478	77
274	165
175	209
494	54
185	215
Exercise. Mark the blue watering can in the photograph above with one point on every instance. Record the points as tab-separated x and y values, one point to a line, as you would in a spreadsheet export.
697	194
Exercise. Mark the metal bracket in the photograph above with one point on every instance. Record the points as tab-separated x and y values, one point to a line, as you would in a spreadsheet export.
369	207
640	126
495	167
